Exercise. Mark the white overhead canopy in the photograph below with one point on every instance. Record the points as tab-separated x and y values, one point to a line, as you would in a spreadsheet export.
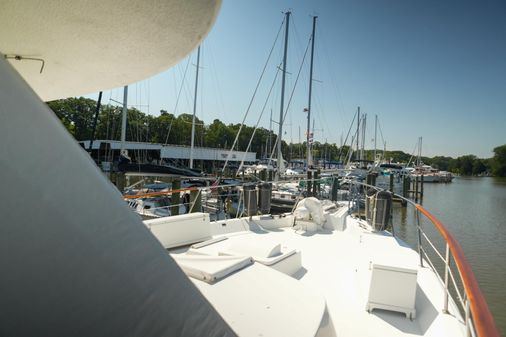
93	45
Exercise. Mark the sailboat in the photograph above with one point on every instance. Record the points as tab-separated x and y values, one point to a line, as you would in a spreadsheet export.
76	261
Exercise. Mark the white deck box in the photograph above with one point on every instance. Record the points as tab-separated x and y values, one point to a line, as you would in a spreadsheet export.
180	230
393	288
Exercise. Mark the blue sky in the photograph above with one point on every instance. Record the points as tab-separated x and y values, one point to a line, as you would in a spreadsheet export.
435	69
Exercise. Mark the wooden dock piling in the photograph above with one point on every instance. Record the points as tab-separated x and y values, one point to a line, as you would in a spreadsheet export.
263	175
120	181
316	183
175	197
196	201
335	188
416	188
309	182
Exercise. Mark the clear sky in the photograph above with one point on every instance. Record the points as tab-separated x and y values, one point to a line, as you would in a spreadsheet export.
431	68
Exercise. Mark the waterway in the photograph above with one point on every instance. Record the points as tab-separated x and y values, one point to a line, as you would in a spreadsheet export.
474	210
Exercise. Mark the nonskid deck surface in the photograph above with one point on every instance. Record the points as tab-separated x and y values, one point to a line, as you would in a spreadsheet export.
337	266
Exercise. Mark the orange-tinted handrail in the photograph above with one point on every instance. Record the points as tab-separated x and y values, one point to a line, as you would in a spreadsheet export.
156	194
484	322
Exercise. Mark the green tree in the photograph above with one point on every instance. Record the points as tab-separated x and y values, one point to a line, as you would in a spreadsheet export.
498	162
76	114
479	167
441	162
466	164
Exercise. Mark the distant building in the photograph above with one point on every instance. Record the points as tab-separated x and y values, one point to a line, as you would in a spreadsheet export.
106	153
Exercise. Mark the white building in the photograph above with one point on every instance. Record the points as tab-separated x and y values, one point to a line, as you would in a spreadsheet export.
108	151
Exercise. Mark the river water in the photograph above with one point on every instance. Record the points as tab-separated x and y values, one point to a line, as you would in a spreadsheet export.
474	210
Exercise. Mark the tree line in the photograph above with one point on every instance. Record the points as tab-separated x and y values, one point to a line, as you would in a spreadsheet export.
77	115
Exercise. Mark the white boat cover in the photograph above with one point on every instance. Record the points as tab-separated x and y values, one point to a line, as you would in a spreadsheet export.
210	268
264	249
264	252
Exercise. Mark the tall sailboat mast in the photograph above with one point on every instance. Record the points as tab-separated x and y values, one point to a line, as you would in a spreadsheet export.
309	159
362	149
280	157
270	137
194	108
375	134
358	133
124	120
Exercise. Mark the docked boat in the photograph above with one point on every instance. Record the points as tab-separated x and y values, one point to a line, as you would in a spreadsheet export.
76	261
431	175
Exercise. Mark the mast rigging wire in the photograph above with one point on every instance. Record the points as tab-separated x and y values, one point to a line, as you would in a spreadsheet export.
347	135
253	97
177	100
258	121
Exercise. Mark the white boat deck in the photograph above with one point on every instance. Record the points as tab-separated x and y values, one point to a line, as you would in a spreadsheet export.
336	266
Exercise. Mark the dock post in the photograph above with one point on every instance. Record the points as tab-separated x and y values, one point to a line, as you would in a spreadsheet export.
371	179
335	188
120	181
270	175
391	182
405	188
416	188
309	182
196	201
175	198
421	188
316	183
263	175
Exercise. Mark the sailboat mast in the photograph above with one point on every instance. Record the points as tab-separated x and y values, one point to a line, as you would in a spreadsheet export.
194	108
270	136
300	144
375	134
310	93
124	120
313	134
358	132
280	157
362	149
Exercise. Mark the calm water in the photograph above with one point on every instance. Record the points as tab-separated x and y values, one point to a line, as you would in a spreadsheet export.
474	209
